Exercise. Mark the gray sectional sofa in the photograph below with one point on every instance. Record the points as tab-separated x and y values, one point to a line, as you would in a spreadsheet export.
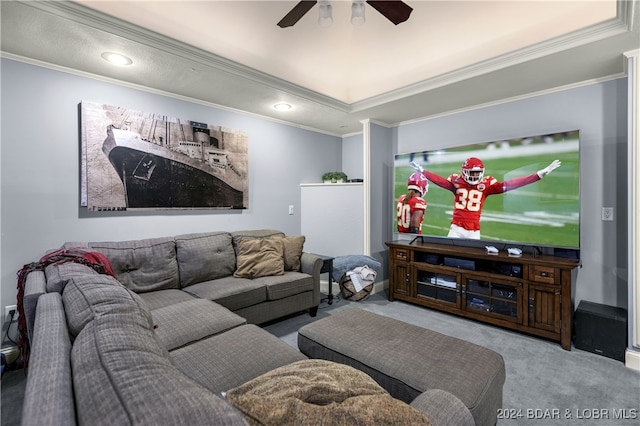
163	339
169	270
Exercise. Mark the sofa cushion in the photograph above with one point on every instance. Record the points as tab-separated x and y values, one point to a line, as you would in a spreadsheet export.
259	258
232	293
58	274
320	392
227	360
118	363
293	247
204	256
281	286
89	296
186	322
143	265
161	298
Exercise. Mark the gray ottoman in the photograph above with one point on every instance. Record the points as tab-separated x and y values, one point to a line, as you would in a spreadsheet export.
407	360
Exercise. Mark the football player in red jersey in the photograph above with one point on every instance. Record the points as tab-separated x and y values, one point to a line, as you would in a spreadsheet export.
411	206
470	190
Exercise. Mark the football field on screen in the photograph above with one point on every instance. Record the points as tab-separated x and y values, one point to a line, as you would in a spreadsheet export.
543	213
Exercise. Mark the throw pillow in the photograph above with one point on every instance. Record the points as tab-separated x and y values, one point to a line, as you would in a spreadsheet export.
258	234
292	251
259	258
319	392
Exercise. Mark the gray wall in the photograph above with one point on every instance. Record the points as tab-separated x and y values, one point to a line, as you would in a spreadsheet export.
39	178
381	167
381	159
352	163
40	168
599	111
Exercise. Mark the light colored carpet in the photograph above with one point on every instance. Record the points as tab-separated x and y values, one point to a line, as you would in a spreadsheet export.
545	385
542	378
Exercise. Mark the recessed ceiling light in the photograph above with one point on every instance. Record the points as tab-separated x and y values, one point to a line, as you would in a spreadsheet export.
282	106
117	59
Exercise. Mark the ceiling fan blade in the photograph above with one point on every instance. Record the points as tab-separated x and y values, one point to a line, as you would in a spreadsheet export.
296	13
395	11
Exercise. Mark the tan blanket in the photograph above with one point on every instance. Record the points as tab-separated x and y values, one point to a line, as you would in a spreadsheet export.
318	392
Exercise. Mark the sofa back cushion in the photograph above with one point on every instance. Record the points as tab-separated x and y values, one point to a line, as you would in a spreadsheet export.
89	296
143	265
58	274
204	256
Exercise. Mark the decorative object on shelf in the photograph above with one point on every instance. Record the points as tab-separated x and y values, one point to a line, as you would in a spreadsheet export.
491	250
334	177
514	252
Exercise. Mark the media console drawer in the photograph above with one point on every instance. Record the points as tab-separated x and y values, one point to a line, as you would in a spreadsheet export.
401	255
542	274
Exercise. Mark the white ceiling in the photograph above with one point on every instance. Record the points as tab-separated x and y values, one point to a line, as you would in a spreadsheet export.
448	56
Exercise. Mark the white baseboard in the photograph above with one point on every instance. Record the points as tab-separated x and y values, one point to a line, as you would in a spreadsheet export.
379	287
632	360
324	286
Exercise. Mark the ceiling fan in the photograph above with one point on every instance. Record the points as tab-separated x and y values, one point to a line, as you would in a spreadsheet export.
395	11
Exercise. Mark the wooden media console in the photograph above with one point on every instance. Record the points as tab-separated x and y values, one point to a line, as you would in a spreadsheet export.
531	294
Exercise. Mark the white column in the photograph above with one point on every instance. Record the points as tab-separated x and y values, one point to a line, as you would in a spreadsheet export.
366	171
632	359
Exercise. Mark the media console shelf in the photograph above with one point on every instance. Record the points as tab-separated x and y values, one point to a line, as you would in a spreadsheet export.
531	294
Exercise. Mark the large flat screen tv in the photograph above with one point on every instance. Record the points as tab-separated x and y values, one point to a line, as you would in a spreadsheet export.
523	197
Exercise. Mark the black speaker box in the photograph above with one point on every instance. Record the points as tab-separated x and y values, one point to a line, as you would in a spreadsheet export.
457	262
601	329
509	269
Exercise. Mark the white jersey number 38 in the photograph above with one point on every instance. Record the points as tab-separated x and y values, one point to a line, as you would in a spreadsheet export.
468	199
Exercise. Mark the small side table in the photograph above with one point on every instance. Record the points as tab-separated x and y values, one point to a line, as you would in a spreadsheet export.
327	266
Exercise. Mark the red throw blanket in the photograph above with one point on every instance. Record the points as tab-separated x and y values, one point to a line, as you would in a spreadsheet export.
96	261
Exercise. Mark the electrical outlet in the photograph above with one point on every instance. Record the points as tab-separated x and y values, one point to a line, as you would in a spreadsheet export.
291	209
607	214
7	312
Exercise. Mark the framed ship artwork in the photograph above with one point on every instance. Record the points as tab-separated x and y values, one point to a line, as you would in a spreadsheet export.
133	160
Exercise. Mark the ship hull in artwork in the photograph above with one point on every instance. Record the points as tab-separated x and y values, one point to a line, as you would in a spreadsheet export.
160	178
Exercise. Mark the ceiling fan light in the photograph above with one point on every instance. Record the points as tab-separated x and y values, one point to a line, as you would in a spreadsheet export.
357	12
325	19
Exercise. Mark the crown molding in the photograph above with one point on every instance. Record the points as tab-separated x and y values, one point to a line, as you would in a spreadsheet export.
624	22
512	99
147	89
108	24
